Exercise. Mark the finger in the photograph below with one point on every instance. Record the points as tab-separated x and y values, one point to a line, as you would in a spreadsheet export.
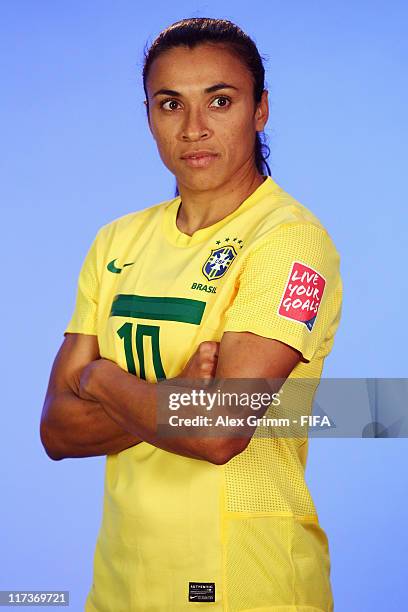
207	346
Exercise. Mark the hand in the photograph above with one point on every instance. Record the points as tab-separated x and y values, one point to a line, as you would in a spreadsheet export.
203	363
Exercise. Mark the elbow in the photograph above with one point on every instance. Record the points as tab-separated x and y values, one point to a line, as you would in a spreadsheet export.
49	442
224	450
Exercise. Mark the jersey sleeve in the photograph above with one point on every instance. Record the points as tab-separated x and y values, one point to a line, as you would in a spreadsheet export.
84	317
290	289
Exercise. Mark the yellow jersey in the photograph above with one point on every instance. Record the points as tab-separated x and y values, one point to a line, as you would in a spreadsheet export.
179	533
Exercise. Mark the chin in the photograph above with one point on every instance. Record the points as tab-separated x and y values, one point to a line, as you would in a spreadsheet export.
201	181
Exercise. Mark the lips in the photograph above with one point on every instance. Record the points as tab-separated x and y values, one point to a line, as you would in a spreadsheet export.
199	159
198	154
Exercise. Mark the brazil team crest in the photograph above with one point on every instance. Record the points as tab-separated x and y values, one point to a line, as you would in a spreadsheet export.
218	262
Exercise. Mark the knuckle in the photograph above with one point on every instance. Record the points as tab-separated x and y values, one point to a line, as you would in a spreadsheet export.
205	346
208	348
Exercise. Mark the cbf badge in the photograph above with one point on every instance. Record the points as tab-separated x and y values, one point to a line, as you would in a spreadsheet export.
218	262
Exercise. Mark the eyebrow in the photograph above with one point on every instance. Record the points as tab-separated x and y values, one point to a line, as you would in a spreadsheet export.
212	89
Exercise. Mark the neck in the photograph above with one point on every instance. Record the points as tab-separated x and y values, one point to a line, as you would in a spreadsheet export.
201	209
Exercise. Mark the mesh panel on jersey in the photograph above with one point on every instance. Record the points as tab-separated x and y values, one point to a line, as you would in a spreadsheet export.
258	565
268	476
84	317
274	564
280	609
263	280
312	562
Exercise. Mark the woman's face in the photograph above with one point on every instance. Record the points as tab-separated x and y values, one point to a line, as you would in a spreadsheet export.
202	115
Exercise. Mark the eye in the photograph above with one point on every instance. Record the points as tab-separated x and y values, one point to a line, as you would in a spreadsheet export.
170	105
221	102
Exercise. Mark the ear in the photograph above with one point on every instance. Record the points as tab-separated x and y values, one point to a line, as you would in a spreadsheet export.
262	112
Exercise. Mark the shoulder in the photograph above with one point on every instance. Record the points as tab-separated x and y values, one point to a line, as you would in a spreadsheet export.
285	222
277	208
132	223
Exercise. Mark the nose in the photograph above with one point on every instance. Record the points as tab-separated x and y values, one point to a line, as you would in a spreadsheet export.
194	127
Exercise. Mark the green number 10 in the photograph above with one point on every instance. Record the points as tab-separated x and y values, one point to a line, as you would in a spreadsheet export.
152	331
180	310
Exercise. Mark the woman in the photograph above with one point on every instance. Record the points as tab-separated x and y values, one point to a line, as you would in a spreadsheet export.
231	278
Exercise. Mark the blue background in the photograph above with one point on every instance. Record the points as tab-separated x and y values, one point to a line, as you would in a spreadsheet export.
76	153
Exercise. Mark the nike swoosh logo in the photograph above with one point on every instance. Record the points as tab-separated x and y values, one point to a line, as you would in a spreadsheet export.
112	268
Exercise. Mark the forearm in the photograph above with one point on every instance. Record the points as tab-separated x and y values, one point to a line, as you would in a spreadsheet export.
133	404
76	427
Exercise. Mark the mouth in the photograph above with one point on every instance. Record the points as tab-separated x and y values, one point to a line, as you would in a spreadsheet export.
199	159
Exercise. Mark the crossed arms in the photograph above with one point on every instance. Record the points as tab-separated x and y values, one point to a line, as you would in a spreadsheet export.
89	408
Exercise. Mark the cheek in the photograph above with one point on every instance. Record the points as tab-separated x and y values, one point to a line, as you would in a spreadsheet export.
239	137
161	131
166	145
163	139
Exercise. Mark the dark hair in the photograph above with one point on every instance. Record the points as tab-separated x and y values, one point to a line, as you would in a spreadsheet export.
199	30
